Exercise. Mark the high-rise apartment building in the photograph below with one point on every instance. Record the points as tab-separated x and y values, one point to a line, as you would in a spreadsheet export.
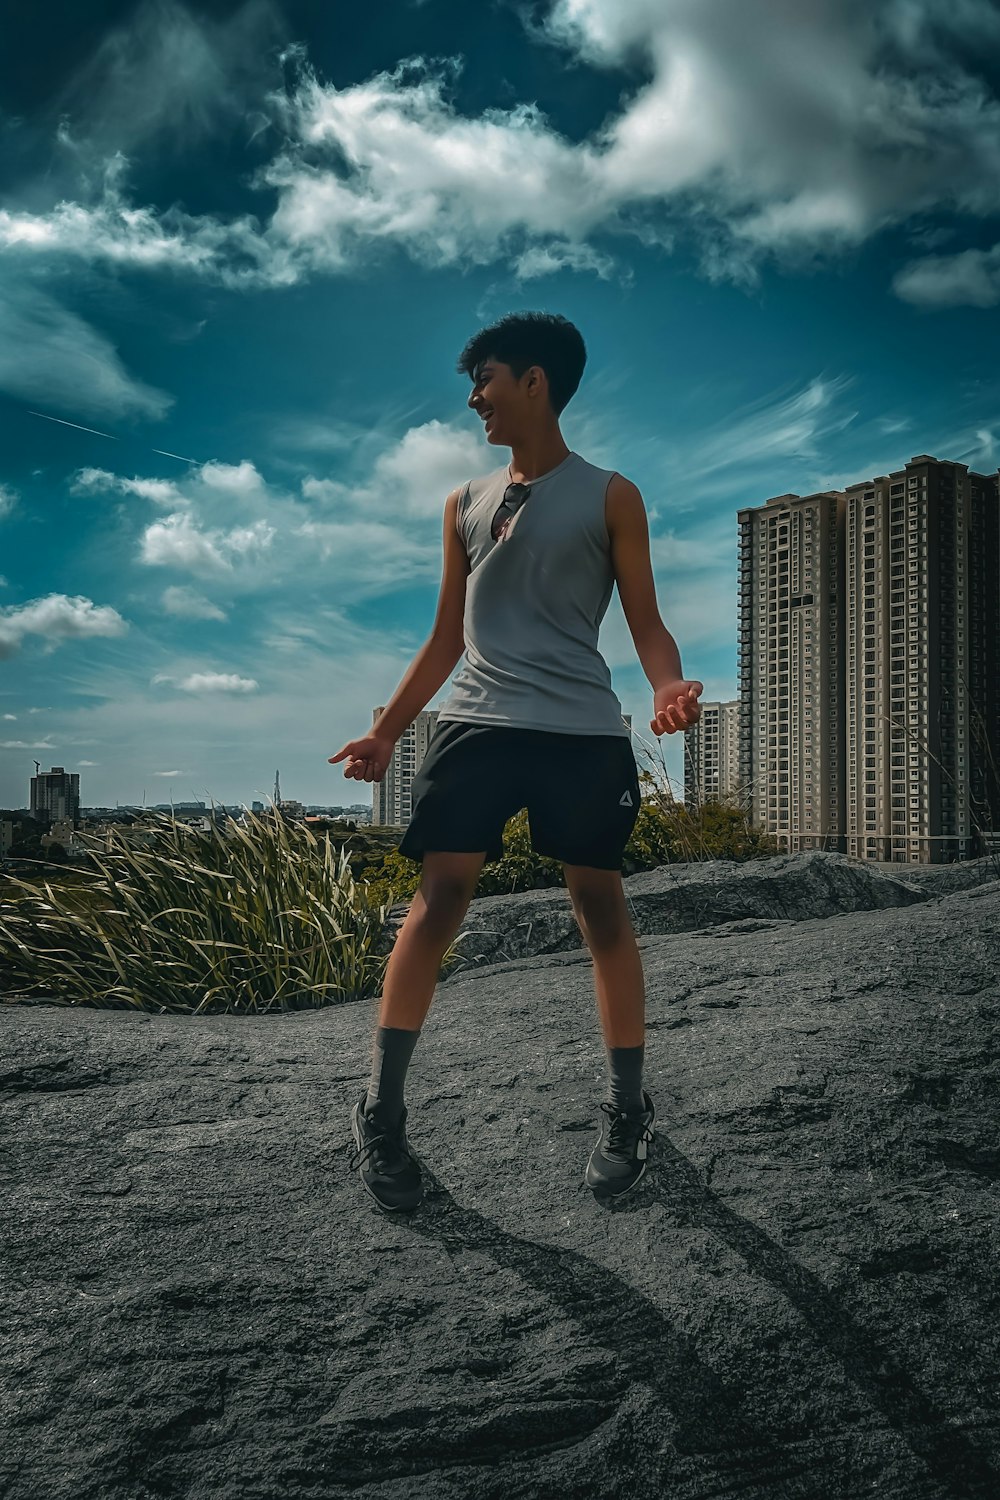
712	754
923	656
54	794
392	796
790	650
869	651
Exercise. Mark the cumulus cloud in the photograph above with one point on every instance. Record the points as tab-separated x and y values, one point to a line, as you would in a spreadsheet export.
8	499
763	129
56	618
970	279
50	355
160	491
355	534
179	542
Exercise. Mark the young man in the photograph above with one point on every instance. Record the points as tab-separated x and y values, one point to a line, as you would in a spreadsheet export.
532	552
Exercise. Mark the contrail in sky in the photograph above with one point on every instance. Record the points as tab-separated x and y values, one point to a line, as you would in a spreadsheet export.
175	455
110	435
72	424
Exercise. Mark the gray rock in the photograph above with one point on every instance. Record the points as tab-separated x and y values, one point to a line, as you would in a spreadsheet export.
683	898
800	1300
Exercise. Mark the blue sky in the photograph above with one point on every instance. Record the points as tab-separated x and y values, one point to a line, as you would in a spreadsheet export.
256	236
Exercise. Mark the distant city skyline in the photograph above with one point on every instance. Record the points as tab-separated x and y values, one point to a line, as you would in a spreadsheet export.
234	287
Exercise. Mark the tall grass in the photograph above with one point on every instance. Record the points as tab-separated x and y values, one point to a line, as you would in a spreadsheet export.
256	919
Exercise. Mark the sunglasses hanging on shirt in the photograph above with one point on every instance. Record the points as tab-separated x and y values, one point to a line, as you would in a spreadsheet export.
514	497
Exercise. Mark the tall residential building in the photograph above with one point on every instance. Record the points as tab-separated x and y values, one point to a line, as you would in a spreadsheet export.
54	794
790	650
923	647
712	754
391	797
869	652
391	805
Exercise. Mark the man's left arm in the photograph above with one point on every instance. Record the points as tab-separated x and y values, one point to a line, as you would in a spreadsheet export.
675	697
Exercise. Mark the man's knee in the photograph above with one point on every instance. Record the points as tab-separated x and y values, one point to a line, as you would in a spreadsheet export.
441	905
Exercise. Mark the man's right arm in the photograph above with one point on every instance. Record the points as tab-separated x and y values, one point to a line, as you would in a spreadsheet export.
437	658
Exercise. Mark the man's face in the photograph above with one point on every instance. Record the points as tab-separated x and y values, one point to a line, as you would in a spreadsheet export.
499	400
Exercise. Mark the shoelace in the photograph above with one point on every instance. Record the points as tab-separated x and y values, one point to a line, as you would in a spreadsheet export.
386	1137
626	1130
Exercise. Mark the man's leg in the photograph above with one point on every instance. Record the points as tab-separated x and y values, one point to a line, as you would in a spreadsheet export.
447	885
602	915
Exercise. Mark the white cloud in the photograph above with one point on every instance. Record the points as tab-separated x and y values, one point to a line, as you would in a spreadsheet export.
111	229
766	129
8	499
238	481
178	542
210	682
970	279
352	535
55	618
160	491
50	355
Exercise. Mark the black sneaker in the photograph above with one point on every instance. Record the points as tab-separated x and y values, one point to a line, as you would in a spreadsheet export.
390	1172
619	1159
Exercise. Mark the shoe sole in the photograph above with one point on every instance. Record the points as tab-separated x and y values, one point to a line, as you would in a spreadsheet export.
607	1194
387	1208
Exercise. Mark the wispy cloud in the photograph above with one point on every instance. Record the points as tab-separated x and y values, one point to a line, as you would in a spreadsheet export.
171	75
207	683
49	355
969	279
189	605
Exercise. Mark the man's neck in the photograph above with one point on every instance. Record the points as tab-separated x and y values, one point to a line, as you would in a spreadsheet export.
537	455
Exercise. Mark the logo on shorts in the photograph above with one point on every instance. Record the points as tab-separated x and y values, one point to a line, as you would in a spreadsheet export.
625	800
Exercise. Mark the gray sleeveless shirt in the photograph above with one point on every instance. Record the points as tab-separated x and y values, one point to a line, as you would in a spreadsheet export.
534	602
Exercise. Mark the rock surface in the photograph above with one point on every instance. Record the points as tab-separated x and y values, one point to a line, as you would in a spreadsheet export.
800	1300
686	897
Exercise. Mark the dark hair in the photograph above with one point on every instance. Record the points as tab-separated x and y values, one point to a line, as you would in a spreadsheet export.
525	339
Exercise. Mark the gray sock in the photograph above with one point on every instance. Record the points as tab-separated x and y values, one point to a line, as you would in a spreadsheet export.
625	1071
390	1060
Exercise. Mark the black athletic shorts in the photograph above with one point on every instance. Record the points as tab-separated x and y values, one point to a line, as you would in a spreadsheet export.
581	792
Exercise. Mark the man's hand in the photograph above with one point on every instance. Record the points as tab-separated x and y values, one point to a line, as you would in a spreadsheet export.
367	757
676	706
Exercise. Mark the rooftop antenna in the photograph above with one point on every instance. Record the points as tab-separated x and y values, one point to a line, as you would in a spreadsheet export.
38	766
